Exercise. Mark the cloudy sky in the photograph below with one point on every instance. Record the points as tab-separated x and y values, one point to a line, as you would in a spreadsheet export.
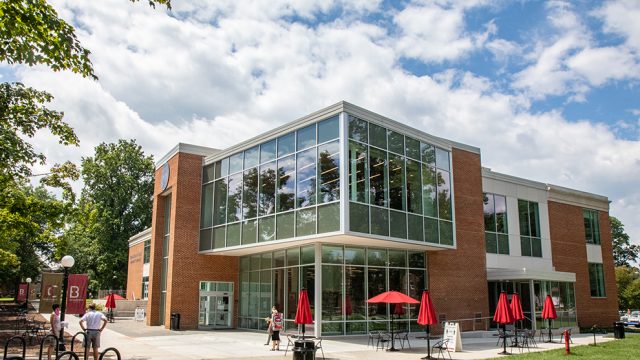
548	90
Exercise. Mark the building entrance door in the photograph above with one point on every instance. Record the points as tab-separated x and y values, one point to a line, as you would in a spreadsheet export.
215	309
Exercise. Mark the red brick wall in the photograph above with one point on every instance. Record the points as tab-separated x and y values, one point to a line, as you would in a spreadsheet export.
186	267
458	278
134	271
569	254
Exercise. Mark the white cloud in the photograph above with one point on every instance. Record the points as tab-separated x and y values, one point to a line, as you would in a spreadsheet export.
230	72
621	17
600	65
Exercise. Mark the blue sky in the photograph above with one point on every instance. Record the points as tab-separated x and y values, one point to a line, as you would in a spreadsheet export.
547	89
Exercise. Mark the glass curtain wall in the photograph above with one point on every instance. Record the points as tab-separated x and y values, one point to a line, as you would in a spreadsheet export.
399	186
350	275
283	188
495	223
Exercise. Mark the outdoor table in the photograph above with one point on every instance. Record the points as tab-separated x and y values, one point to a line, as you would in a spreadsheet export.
547	333
430	337
303	349
505	337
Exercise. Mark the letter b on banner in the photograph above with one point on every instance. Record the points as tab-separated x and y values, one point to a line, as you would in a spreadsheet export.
74	292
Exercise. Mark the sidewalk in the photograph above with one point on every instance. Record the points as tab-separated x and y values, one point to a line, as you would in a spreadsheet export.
136	341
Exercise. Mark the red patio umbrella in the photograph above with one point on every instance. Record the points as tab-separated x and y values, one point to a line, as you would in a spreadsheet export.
111	300
549	312
503	316
398	309
392	297
303	312
427	316
516	309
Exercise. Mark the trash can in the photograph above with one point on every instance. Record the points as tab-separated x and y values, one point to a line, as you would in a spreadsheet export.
618	330
303	349
175	321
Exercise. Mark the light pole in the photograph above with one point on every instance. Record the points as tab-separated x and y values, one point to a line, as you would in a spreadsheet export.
66	262
27	302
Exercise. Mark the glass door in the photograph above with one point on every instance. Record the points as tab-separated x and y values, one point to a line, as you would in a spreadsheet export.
215	310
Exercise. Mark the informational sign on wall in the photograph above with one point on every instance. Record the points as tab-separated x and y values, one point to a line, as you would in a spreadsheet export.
452	333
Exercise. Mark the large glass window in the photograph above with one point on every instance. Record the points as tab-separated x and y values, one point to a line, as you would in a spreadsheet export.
329	172
400	173
267	186
250	194
591	226
306	176
495	224
234	198
286	183
596	280
529	217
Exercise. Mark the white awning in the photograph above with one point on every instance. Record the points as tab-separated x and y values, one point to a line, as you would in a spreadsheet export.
529	274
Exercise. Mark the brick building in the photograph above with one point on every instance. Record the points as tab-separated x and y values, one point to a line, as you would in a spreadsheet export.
348	204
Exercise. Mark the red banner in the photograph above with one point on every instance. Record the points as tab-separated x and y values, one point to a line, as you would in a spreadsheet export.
22	292
77	293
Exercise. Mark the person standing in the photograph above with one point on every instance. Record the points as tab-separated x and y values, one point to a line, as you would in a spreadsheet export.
92	323
56	327
276	325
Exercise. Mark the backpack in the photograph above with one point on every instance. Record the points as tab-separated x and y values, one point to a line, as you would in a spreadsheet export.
277	322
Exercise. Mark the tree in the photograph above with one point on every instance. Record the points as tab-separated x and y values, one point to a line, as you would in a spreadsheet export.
628	282
624	253
115	204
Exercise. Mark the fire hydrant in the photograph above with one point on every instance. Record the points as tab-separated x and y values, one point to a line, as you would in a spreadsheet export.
567	348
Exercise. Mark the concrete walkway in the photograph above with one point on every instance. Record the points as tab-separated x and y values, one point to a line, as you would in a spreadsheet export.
136	341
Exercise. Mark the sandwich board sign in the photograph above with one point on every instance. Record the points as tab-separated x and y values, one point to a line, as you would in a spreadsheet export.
452	333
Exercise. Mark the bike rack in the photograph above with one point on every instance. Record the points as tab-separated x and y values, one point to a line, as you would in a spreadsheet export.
42	344
110	349
73	338
15	357
71	355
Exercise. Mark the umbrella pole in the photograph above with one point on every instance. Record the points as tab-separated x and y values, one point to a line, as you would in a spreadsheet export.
504	341
428	343
393	347
550	331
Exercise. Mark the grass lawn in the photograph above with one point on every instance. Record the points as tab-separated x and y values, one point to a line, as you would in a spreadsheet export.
629	348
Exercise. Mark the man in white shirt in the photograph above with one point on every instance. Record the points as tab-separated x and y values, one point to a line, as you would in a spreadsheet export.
91	324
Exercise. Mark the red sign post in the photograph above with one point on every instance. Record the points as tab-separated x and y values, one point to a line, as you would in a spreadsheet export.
22	292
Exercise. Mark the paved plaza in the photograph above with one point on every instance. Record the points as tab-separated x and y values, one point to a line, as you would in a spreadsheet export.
136	341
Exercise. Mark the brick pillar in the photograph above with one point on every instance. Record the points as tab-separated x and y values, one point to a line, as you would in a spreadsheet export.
458	278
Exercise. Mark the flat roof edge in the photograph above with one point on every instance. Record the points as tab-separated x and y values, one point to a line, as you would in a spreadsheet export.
188	149
529	274
140	237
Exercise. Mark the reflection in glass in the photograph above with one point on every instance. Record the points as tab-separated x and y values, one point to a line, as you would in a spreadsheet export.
398	224
220	202
207	173
446	233
429	202
286	183
329	169
414	187
234	210
397	258
235	163
489	212
396	142
286	144
306	175
376	257
250	194
219	234
378	177
331	293
501	214
354	256
249	232
357	129
306	137
442	159
206	215
414	227
268	151
355	301
251	157
431	230
267	228
444	195
222	168
328	129
328	218
332	254
379	221
285	224
377	136
292	287
357	172
307	255
267	187
428	154
412	148
233	234
377	285
306	222
397	199
358	218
